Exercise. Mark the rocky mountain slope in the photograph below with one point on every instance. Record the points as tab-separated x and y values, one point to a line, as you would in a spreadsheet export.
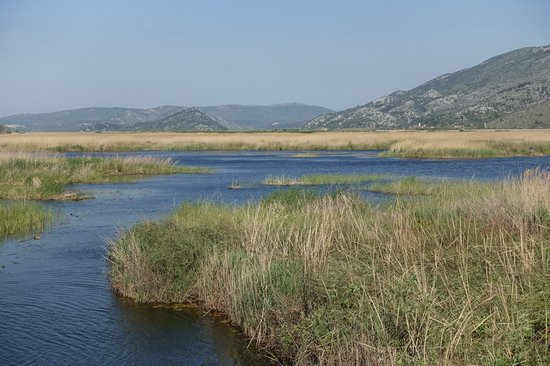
511	90
189	119
233	117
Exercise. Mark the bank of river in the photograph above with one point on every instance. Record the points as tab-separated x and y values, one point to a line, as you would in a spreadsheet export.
55	302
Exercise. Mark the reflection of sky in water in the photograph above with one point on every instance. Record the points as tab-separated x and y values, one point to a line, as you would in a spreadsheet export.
55	303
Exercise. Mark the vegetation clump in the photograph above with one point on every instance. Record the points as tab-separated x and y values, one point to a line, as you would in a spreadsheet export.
444	279
22	217
44	177
323	179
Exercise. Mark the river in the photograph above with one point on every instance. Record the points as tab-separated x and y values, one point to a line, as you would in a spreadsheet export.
56	306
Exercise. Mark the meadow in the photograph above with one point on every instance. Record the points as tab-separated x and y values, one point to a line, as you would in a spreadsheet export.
415	144
453	273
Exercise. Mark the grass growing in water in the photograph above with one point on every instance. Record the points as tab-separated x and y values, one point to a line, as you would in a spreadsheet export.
22	217
413	186
44	177
281	180
305	155
438	280
323	179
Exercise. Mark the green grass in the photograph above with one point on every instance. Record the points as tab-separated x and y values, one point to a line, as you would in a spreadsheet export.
22	217
493	149
520	148
414	186
315	179
44	177
323	179
438	279
444	153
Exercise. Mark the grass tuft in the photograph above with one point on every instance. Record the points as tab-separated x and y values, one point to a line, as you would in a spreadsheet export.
22	217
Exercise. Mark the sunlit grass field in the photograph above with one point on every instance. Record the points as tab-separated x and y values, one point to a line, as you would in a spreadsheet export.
420	144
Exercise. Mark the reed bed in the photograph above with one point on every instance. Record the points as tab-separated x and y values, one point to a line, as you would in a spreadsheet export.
22	217
28	176
437	144
322	179
444	279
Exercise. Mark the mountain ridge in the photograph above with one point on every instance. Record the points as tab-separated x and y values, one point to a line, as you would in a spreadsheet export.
189	119
487	95
230	116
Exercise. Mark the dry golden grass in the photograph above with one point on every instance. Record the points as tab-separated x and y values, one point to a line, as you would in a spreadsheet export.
400	143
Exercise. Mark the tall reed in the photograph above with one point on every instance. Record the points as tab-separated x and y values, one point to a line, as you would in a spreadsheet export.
420	144
443	279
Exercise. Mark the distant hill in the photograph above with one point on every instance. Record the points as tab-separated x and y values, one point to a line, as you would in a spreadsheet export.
87	118
511	90
233	117
270	117
189	119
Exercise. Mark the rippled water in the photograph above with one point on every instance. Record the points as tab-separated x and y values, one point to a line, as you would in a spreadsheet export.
55	303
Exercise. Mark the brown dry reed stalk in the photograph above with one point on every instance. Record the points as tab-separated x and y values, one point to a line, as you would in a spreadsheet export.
435	144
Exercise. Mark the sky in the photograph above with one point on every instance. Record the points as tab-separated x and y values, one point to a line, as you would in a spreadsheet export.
57	55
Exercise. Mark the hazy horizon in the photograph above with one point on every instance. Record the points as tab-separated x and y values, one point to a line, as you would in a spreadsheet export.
59	55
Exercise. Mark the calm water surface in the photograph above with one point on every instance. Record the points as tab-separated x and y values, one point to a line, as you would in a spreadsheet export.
55	303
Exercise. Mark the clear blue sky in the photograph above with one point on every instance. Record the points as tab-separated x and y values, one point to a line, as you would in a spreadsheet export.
68	54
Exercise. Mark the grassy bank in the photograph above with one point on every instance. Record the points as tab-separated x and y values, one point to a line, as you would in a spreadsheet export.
419	144
322	179
22	217
44	177
440	279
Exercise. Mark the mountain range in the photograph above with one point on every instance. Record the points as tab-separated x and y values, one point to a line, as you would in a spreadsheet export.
169	118
511	90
